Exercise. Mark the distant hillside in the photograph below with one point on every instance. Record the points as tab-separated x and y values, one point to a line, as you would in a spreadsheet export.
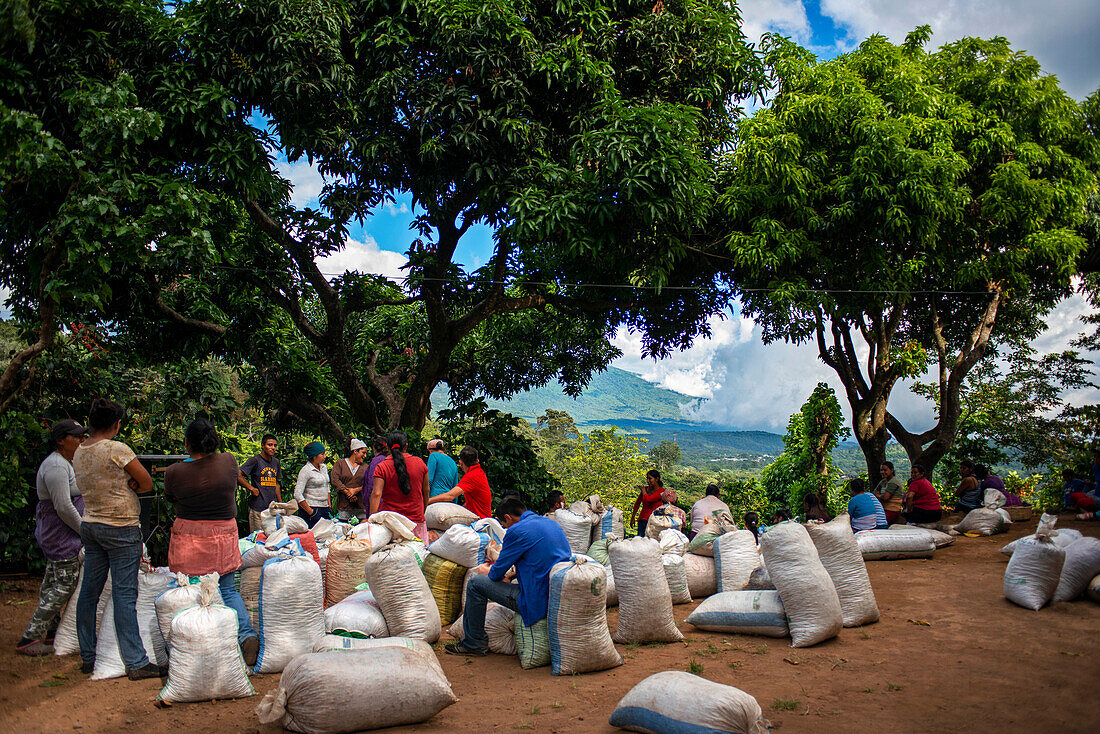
612	397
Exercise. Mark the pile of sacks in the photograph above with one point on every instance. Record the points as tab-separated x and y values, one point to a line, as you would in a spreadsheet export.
803	581
1051	565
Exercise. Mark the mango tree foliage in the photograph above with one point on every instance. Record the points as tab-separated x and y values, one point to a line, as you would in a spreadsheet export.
905	210
140	193
609	464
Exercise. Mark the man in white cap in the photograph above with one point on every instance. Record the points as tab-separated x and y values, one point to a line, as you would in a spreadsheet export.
347	480
442	469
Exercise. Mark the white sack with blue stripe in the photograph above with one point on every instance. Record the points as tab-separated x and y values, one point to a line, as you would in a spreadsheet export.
461	544
402	592
743	613
292	615
645	602
843	561
577	618
736	556
578	529
676	576
681	703
809	597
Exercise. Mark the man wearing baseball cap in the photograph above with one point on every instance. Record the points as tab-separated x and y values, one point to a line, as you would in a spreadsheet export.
57	530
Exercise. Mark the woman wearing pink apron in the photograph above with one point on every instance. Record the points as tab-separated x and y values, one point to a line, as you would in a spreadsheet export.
204	535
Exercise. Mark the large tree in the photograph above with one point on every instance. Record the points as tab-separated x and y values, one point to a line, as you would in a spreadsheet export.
906	210
584	134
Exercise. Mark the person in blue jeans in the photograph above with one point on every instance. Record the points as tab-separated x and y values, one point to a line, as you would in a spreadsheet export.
533	544
204	534
109	477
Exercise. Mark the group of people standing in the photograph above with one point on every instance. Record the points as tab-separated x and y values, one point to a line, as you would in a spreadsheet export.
391	480
88	500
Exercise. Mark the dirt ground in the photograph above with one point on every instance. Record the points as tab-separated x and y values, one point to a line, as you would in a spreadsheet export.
950	654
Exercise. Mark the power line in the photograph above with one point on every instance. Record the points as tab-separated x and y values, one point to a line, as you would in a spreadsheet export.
472	280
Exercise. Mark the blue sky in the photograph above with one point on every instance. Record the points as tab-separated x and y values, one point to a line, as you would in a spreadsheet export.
748	384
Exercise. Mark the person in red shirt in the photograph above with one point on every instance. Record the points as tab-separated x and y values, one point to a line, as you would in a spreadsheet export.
401	484
649	498
474	485
922	504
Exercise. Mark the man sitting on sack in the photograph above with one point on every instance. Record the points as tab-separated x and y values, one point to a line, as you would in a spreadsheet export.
533	544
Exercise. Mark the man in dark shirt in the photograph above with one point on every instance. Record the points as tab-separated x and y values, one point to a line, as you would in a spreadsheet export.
262	476
533	544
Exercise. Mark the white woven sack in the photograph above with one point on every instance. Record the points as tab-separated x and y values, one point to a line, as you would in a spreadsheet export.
403	594
676	576
673	701
1093	589
1082	563
760	580
499	628
840	555
659	522
271	519
337	643
1034	570
582	507
442	515
645	603
743	613
612	592
205	663
250	593
809	597
401	528
292	615
108	657
993	500
577	619
578	529
702	577
735	556
492	528
892	545
345	567
609	522
181	594
982	522
358	614
374	534
335	692
325	531
322	559
673	541
261	553
65	641
939	538
1061	538
461	544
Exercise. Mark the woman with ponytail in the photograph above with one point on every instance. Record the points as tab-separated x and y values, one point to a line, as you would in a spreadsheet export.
204	535
401	484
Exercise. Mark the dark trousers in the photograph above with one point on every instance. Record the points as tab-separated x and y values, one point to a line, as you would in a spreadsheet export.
923	516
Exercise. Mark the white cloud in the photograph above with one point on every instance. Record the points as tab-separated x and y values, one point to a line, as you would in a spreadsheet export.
787	17
305	179
395	210
750	385
364	257
696	371
1061	35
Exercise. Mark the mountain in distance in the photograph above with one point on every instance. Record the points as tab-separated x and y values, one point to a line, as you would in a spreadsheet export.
619	398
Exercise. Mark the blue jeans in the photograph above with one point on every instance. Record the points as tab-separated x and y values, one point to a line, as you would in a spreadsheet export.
232	599
318	513
118	550
479	592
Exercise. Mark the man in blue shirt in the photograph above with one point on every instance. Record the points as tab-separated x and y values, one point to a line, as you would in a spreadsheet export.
442	470
533	544
864	509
